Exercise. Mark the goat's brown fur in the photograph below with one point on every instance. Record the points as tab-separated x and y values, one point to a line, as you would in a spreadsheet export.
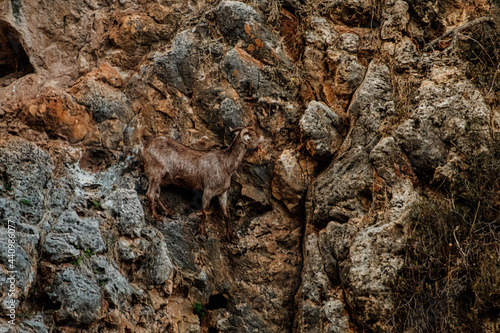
167	161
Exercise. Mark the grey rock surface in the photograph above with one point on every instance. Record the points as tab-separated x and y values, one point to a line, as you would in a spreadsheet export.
361	128
25	171
321	128
177	67
33	325
242	72
116	287
70	234
126	208
79	295
105	102
446	115
341	191
232	114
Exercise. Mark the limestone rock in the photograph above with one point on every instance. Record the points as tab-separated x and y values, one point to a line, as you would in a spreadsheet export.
25	170
238	21
177	67
242	71
24	263
59	115
131	250
135	33
366	273
349	74
232	114
321	128
342	191
374	93
334	311
125	205
321	32
105	102
352	12
70	234
395	19
232	18
350	42
33	325
445	115
406	54
389	161
79	295
314	65
292	176
164	268
116	287
322	211
60	193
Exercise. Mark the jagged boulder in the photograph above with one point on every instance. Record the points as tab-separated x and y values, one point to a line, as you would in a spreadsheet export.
343	190
116	288
70	234
25	170
239	21
79	295
447	117
124	205
292	176
321	129
177	67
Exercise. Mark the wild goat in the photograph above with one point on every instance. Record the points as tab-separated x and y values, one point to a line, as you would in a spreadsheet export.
167	161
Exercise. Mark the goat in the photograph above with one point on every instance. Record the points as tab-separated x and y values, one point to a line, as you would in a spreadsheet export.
168	162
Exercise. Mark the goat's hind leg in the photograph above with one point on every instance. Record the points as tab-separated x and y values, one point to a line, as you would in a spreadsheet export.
161	204
205	203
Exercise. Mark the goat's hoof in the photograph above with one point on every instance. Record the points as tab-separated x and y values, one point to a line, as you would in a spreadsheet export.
232	238
201	237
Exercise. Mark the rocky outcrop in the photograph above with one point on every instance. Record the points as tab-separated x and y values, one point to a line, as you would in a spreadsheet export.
361	130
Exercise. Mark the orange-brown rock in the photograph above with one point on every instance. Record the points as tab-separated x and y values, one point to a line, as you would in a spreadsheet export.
60	116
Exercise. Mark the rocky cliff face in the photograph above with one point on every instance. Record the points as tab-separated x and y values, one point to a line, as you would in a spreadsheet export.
372	205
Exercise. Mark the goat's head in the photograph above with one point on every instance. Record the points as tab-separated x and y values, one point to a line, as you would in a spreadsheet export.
249	136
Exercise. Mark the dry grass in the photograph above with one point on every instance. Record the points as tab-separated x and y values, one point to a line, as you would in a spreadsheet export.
404	90
451	278
480	48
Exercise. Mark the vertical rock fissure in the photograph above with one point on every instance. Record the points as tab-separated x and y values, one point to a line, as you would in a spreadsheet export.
296	291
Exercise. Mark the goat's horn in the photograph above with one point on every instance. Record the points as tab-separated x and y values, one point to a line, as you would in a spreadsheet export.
232	130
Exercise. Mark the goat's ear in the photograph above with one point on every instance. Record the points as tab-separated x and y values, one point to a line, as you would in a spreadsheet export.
246	138
245	135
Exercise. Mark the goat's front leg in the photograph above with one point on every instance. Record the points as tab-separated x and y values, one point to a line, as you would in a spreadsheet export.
225	210
205	203
151	195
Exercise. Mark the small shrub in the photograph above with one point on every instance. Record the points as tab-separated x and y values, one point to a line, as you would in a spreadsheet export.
199	310
7	186
77	262
26	314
